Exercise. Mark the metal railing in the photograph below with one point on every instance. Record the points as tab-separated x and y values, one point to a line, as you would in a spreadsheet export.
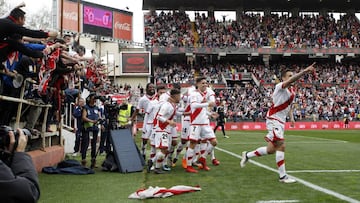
43	133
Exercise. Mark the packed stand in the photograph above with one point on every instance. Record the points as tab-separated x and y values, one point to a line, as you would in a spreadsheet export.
186	73
331	94
252	31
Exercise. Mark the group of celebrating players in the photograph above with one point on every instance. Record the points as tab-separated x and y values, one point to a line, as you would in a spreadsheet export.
159	128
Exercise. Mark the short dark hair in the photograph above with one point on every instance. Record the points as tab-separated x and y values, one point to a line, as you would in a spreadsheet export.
17	13
148	85
59	40
284	71
66	35
174	91
176	85
80	48
160	87
199	79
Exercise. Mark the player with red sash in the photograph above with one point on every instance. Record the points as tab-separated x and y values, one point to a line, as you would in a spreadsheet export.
275	122
201	100
163	123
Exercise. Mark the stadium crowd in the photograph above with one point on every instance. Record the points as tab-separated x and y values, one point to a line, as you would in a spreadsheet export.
252	31
330	95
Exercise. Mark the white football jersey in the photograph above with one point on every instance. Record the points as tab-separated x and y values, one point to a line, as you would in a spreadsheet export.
199	115
282	99
167	111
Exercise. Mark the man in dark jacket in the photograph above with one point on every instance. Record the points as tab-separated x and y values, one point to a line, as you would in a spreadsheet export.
220	121
18	180
13	24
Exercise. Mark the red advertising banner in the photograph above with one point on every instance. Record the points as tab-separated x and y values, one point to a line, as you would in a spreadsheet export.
320	125
135	63
69	16
122	26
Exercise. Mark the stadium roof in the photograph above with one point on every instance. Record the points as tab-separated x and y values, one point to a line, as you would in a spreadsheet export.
254	5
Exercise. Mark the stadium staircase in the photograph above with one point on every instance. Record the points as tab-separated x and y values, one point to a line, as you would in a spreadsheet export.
195	34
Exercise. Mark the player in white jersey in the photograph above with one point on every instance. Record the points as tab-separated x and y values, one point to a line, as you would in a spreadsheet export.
201	100
162	127
275	122
174	137
185	125
150	112
142	106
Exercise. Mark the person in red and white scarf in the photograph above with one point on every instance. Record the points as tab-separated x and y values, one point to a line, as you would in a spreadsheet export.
282	98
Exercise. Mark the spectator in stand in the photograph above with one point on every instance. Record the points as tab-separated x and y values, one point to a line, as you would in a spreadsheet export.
13	24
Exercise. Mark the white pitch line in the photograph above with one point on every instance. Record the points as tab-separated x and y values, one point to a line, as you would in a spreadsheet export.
289	142
309	137
319	138
277	201
324	171
304	182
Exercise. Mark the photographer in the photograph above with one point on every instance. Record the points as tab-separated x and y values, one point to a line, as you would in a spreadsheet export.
18	179
90	118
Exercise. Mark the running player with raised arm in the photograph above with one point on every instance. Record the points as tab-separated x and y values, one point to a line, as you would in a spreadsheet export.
282	97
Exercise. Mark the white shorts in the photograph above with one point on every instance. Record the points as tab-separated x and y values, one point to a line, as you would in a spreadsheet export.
275	130
152	137
162	140
173	133
185	130
201	132
147	131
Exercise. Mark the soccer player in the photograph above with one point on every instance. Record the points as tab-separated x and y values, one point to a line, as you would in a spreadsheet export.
162	128
174	136
275	122
142	105
200	129
150	113
185	126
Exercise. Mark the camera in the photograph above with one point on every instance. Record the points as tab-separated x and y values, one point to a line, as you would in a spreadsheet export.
5	139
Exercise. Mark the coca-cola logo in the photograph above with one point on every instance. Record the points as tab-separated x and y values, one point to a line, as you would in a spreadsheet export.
71	15
123	26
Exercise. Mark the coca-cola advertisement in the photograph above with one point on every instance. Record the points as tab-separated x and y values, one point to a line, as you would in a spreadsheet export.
97	20
122	25
69	16
135	63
